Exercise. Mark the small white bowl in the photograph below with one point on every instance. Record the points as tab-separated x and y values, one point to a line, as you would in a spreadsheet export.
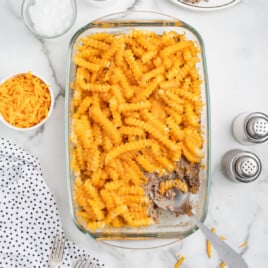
52	100
45	20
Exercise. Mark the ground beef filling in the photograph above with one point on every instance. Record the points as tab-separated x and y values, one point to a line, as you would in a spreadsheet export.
186	171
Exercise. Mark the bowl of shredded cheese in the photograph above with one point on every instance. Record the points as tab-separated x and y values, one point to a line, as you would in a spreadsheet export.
26	101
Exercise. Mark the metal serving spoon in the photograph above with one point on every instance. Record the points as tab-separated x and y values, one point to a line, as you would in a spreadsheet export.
226	253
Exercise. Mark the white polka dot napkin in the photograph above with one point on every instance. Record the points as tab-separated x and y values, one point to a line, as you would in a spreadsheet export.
29	218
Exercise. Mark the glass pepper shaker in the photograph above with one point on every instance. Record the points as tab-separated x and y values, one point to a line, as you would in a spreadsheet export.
250	128
241	166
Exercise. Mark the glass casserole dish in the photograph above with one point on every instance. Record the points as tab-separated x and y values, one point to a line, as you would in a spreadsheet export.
168	226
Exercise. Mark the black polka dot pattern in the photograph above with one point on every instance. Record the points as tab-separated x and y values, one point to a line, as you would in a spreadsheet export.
29	218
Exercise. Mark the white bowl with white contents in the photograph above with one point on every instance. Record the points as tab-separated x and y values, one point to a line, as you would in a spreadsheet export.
49	18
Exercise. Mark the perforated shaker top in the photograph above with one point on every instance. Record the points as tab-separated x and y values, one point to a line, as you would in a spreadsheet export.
248	167
257	127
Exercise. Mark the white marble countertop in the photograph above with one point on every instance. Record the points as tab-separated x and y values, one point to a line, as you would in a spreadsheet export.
236	41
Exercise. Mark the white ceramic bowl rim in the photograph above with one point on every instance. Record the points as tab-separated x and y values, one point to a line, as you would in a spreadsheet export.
2	119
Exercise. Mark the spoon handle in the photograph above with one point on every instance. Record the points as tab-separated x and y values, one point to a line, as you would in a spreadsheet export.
226	253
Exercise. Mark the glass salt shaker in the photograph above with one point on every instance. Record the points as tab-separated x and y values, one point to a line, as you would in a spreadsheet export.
250	128
241	166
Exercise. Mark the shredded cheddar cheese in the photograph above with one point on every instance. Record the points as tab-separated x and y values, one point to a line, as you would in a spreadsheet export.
24	100
209	248
179	262
222	265
209	243
222	237
244	244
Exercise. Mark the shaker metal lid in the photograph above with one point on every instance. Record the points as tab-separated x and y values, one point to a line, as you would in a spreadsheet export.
257	127
247	167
